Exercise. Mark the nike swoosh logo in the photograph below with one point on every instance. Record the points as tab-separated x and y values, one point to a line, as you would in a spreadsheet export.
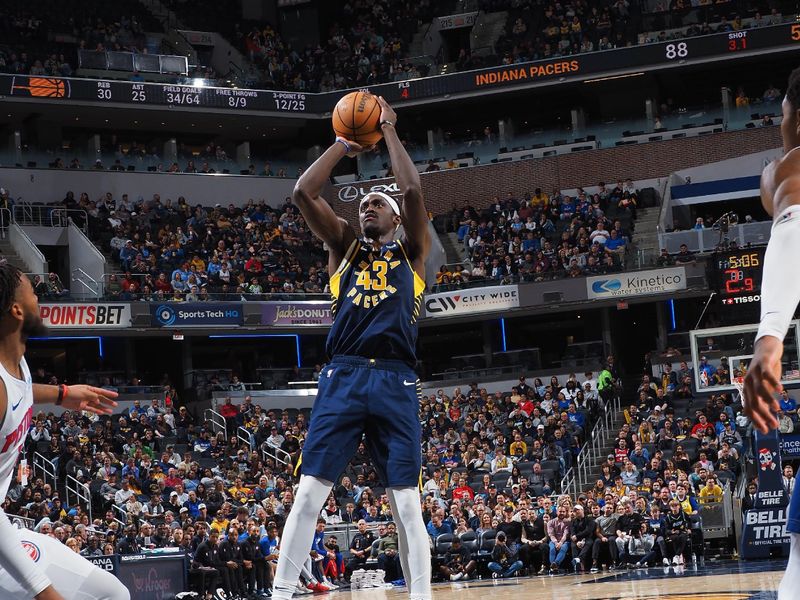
14	406
409	382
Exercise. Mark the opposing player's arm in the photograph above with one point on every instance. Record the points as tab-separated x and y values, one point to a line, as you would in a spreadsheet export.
76	397
413	212
335	232
780	294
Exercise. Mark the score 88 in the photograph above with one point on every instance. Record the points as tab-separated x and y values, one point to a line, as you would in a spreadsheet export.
679	50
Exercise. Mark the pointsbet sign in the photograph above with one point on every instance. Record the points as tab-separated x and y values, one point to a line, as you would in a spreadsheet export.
70	315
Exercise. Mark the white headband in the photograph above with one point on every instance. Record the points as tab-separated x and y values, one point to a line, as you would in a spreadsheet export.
389	200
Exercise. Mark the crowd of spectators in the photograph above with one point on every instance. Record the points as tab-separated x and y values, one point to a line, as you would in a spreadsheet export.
544	236
537	31
175	251
42	37
492	500
366	45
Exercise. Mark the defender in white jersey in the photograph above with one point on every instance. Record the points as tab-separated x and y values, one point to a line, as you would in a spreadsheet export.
34	565
780	295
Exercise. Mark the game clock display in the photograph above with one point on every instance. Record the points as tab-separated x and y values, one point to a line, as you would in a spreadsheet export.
737	274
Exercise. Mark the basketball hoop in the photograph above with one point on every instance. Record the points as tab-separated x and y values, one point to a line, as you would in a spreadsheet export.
738	383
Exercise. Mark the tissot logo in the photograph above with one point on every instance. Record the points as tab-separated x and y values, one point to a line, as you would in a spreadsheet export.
349	193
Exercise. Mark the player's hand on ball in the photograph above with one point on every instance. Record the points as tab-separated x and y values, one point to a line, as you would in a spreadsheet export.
355	147
762	382
387	112
90	398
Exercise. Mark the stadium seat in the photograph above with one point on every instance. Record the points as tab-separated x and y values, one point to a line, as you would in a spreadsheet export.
469	540
442	544
551	465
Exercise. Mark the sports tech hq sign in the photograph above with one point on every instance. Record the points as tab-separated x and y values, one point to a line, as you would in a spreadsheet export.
640	283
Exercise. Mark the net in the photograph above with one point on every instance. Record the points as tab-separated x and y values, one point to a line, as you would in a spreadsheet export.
738	383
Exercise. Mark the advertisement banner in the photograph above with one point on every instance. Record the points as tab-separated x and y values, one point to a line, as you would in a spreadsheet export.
475	300
154	577
283	314
205	314
790	445
75	315
457	21
107	563
640	283
764	526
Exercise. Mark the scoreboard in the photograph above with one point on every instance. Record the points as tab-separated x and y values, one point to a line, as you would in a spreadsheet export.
151	94
578	67
736	276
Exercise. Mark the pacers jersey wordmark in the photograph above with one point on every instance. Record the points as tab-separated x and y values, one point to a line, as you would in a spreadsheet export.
377	297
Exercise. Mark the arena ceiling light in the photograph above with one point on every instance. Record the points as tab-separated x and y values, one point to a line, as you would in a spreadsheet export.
612	77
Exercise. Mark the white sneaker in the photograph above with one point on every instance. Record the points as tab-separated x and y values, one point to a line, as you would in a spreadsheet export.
459	576
665	562
676	560
681	560
330	583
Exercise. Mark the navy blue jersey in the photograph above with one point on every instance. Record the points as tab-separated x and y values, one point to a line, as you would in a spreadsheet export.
377	297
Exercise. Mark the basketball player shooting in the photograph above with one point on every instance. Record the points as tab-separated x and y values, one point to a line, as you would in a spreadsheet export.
369	387
33	565
780	293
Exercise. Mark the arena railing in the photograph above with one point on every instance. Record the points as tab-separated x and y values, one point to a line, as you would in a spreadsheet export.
118	510
217	422
27	214
245	436
590	455
80	492
44	467
24	522
83	279
270	452
706	240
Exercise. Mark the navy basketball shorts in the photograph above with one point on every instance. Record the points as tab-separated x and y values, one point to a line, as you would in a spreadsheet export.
793	521
378	398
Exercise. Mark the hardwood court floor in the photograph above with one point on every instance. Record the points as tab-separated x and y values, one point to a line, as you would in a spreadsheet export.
727	580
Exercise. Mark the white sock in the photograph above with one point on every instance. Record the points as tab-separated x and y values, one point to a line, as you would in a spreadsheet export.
298	533
413	541
789	588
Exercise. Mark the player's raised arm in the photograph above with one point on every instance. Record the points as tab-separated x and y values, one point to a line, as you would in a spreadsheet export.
324	223
413	212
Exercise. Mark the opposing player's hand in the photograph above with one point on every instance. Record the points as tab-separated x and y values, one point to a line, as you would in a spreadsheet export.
762	382
387	112
90	398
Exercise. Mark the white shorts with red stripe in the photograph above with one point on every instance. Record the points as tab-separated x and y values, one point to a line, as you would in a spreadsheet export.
72	576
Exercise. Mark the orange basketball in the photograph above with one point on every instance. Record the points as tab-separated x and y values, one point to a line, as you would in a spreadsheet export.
356	118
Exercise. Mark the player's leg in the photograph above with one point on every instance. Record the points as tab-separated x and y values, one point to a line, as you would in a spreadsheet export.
298	533
333	436
71	575
789	590
415	556
393	439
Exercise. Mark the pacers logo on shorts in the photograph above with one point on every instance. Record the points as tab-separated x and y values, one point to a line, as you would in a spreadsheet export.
32	550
